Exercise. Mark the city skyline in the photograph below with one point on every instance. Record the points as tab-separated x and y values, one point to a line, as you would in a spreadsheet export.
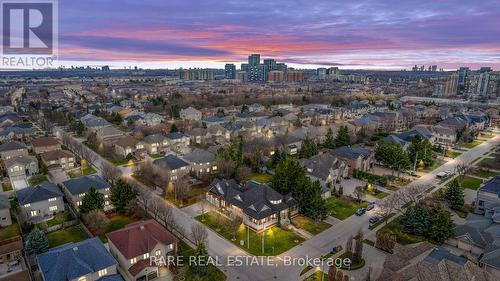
369	35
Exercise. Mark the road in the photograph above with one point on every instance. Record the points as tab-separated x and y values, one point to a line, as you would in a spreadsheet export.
313	248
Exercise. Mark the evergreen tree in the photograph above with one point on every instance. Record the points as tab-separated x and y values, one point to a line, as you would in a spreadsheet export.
36	242
420	150
173	129
329	139
308	195
121	194
343	138
455	195
92	200
392	155
200	268
441	226
308	148
287	175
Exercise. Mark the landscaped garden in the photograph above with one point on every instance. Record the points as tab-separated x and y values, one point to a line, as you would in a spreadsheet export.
213	273
472	144
156	155
37	179
394	227
87	170
276	239
343	207
6	186
261	178
309	225
375	192
63	236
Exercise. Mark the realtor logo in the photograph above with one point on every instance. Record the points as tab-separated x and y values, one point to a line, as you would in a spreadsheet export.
29	33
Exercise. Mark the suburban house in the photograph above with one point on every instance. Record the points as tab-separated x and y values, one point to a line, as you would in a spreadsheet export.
175	166
87	260
59	159
423	132
109	134
11	149
190	113
11	251
21	166
76	188
128	145
40	201
5	219
201	161
488	197
136	244
327	169
93	122
355	157
155	143
44	144
178	142
259	205
444	135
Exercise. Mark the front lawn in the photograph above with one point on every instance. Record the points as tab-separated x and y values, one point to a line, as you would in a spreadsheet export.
88	170
276	240
6	186
213	273
472	144
262	178
455	154
490	163
309	225
9	231
471	183
37	179
430	168
343	207
156	155
194	196
377	193
394	227
485	174
63	236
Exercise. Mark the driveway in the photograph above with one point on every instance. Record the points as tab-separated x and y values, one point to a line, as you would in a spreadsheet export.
18	184
57	176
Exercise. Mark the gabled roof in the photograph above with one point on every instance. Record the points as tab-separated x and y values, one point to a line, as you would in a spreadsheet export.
256	200
171	162
319	165
439	254
139	238
84	183
12	145
421	131
199	156
44	141
4	202
156	138
37	193
56	155
352	152
175	135
73	260
492	186
20	159
127	141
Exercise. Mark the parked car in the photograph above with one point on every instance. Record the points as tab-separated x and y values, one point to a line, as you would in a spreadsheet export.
374	219
371	206
360	211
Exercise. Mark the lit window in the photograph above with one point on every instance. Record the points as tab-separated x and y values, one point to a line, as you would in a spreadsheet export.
146	255
33	213
27	205
133	260
52	199
158	252
53	208
103	272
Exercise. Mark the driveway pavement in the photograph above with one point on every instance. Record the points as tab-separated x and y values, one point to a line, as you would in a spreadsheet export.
57	176
18	184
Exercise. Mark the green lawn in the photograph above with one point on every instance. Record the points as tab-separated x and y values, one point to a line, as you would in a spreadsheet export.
471	183
9	231
262	178
472	144
487	135
343	208
57	219
485	174
489	163
88	170
156	155
63	236
430	168
213	273
316	276
6	186
403	238
37	179
193	197
309	225
455	154
276	241
379	194
115	222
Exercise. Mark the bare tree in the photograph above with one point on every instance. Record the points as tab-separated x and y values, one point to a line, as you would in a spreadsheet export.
359	193
109	172
202	203
182	188
199	234
96	220
144	197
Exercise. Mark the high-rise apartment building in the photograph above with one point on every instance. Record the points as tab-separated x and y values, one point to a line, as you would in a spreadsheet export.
230	71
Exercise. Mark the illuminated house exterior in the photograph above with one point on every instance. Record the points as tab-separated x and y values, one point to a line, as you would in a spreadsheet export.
259	205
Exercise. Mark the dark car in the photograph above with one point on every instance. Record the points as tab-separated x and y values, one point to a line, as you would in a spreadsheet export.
374	219
371	206
360	211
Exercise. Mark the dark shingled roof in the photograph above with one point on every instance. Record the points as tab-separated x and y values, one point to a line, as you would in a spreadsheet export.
12	145
254	199
37	193
83	184
170	162
72	260
492	186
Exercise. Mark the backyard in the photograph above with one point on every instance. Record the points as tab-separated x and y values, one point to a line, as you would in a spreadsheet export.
309	225
88	170
276	240
6	186
63	236
262	178
213	273
343	207
37	179
9	231
471	183
485	174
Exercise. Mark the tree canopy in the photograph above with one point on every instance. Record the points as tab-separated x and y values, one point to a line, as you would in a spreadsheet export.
343	138
92	200
121	194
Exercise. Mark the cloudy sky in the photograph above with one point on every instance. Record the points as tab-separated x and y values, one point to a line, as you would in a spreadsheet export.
376	34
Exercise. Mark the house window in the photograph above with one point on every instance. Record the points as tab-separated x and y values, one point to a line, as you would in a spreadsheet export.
53	208
145	256
27	205
133	260
103	272
52	199
157	252
78	203
106	203
34	213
